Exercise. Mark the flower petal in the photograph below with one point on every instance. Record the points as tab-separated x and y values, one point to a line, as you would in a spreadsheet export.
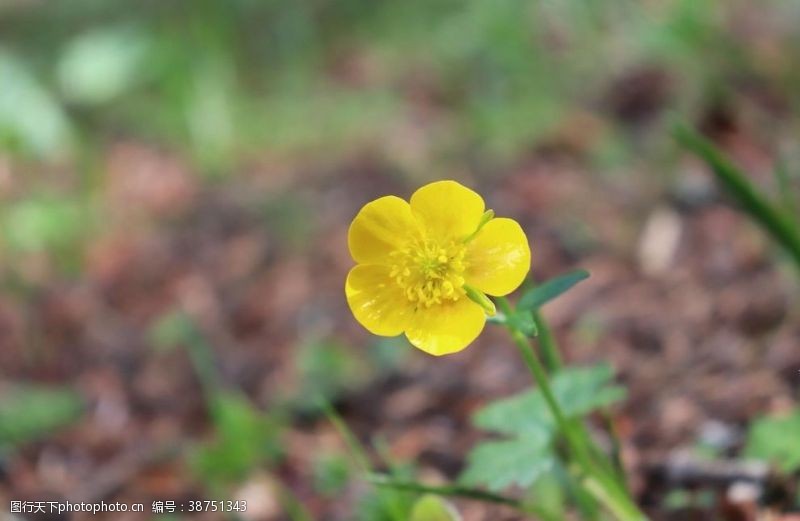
498	257
376	301
447	328
379	228
447	209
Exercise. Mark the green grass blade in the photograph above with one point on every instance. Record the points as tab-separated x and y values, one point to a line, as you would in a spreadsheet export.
787	196
777	223
381	480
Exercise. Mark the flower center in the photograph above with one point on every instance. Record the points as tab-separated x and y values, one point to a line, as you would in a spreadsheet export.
430	272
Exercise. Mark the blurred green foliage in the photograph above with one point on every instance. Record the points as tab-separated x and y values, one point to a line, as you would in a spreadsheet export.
385	504
43	224
430	86
290	217
222	79
28	412
245	439
549	495
331	474
433	508
327	370
681	498
780	222
31	119
776	439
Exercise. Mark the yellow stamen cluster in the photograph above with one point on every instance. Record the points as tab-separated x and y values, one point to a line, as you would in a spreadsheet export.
430	272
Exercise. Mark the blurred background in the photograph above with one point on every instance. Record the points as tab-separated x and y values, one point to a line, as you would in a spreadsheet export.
176	183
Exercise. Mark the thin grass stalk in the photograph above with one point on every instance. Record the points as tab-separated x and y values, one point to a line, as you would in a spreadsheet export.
774	220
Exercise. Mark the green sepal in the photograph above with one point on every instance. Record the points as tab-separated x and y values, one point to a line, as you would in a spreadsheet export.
487	216
481	299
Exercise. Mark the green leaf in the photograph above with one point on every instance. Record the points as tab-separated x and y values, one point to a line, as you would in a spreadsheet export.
537	297
525	413
331	474
776	440
583	390
28	412
526	419
170	331
384	505
327	369
433	508
42	224
578	391
549	493
500	464
246	438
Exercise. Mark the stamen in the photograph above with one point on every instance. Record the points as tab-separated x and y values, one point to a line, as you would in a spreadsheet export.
430	273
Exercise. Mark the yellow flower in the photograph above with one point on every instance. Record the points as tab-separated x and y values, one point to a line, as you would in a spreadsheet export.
423	266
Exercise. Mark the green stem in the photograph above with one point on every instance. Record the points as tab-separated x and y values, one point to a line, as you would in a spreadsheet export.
353	445
585	501
550	352
291	504
380	480
785	191
551	355
202	359
603	486
616	448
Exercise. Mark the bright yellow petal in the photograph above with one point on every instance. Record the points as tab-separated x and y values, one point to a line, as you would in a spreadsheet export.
379	228
376	301
447	209
498	257
446	328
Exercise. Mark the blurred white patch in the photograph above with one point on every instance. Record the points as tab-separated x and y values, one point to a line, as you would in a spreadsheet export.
260	495
744	492
659	241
